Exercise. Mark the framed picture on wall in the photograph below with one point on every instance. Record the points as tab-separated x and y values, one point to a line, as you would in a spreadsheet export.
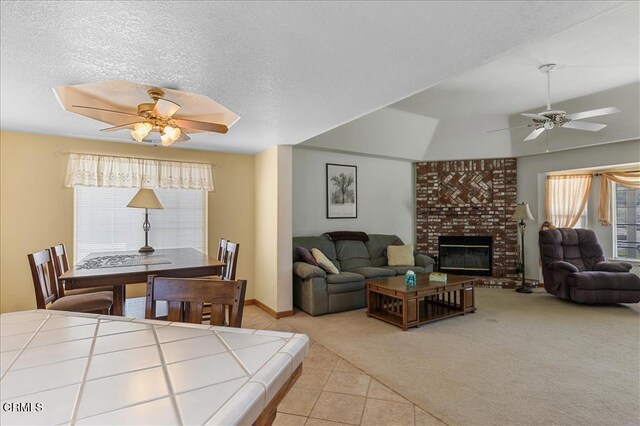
342	191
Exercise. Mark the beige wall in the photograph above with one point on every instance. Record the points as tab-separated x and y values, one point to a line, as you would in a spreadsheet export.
273	228
266	260
36	210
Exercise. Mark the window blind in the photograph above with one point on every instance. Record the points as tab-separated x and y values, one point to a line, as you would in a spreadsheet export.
104	223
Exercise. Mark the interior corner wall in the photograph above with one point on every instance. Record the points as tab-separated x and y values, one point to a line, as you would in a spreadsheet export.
273	255
532	171
37	210
385	195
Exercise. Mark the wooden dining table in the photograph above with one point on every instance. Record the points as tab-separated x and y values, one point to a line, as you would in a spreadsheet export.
103	269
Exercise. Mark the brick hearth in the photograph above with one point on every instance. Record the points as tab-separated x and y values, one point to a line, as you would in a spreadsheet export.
473	198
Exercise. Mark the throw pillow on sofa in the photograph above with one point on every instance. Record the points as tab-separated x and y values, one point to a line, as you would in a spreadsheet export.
400	255
324	262
306	256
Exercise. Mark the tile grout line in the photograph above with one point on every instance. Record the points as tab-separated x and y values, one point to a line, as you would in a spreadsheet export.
250	376
167	377
372	377
24	347
235	357
76	403
321	391
113	410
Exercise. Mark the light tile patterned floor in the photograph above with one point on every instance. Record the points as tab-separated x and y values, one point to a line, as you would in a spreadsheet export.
331	391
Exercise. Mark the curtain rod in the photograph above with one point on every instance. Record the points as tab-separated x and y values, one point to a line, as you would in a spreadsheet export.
617	171
125	156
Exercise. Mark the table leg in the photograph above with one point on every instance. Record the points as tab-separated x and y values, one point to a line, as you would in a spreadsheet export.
119	298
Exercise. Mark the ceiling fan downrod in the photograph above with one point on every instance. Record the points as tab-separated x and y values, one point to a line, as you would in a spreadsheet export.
548	69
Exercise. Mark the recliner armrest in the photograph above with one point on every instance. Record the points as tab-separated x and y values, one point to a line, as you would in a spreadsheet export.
561	264
305	270
423	260
615	266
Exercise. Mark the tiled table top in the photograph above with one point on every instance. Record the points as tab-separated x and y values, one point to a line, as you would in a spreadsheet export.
62	367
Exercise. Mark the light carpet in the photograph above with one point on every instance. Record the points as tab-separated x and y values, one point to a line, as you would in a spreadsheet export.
520	359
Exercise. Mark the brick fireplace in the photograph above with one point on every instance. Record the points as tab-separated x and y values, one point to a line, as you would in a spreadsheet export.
469	198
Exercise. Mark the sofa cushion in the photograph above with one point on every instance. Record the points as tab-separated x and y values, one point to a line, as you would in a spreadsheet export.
352	254
376	246
345	287
344	277
324	262
401	270
321	243
373	272
344	282
400	255
306	256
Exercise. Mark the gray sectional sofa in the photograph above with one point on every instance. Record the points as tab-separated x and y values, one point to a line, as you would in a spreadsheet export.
317	292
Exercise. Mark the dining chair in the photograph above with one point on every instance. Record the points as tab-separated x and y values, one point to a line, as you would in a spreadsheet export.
61	265
222	249
231	260
185	298
227	253
46	289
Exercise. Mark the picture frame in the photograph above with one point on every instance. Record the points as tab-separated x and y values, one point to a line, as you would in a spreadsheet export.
342	191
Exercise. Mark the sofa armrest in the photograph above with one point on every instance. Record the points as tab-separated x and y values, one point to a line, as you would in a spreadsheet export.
423	260
560	264
305	270
614	266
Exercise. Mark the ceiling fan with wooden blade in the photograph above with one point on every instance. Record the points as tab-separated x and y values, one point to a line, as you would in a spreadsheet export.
113	102
550	119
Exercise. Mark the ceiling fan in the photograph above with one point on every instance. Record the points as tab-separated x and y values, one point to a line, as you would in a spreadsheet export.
550	119
116	103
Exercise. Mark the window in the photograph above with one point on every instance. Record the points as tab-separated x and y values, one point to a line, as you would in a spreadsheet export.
626	222
103	222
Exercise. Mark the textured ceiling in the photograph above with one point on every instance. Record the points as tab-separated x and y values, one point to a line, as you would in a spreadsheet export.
598	66
291	70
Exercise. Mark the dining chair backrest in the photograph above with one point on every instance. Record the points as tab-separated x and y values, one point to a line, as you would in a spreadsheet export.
44	278
186	296
222	249
60	264
231	260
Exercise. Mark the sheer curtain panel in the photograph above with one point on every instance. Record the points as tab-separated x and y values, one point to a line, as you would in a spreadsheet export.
566	198
630	179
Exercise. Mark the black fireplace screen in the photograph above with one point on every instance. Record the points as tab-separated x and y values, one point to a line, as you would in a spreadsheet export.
466	255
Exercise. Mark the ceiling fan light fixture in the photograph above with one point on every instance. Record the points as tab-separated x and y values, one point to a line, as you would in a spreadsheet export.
141	130
166	140
172	132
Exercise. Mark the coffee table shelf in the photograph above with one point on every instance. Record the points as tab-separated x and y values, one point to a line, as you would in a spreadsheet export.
389	300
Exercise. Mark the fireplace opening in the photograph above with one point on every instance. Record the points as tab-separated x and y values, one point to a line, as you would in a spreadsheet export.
466	255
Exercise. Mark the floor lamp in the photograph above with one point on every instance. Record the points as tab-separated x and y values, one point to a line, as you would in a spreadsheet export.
522	213
145	199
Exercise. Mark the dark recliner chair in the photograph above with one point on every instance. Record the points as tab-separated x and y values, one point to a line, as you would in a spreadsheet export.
574	268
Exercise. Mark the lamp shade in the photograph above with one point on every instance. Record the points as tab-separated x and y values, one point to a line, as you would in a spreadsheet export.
145	199
522	212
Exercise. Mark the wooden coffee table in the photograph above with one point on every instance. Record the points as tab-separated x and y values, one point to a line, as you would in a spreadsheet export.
390	300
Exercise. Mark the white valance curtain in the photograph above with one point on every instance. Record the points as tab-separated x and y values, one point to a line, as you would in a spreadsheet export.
130	172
